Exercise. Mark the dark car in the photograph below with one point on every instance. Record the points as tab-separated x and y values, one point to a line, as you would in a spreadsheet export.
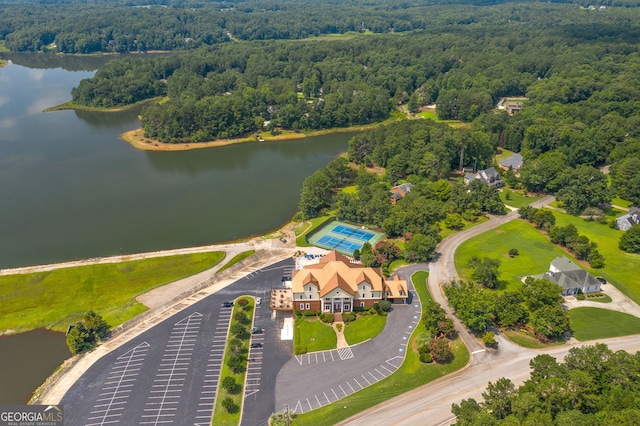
256	330
256	345
284	240
227	304
602	280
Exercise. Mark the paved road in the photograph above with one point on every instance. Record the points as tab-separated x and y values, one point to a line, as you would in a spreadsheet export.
431	404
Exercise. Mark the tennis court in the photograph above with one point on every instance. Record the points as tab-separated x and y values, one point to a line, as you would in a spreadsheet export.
344	237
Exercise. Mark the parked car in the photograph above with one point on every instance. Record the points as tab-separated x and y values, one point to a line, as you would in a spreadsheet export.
258	300
256	330
227	304
284	240
256	345
602	280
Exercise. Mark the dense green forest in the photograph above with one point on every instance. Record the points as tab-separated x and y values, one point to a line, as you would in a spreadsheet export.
577	66
593	386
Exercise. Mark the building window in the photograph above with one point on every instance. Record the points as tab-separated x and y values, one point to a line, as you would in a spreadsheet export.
327	307
363	296
373	295
364	287
327	299
388	293
401	292
362	304
302	306
309	296
300	296
307	306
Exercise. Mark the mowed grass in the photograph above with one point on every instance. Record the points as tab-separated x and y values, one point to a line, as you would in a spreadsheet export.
527	340
411	374
595	323
536	252
237	258
306	227
363	328
314	335
516	200
57	298
621	268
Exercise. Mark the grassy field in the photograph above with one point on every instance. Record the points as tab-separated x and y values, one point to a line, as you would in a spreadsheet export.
456	124
536	252
237	258
313	335
503	154
365	327
57	298
621	268
595	323
622	203
516	200
410	375
221	416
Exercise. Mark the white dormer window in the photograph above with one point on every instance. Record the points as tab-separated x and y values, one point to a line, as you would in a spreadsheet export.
364	287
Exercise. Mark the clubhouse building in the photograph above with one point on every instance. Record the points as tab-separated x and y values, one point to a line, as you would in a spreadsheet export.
336	283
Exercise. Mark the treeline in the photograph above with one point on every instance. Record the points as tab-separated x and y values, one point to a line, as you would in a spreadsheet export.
593	386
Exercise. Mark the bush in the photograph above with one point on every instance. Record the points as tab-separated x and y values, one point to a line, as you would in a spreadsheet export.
311	313
489	339
243	302
580	297
359	309
348	317
241	317
385	305
339	327
440	350
513	252
426	358
328	318
240	331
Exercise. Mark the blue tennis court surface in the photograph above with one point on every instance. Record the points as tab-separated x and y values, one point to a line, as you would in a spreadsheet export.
339	244
357	234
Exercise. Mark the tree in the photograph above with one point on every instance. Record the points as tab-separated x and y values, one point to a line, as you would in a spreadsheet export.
440	350
550	321
80	339
454	221
485	271
498	398
489	339
509	310
582	187
316	194
630	240
230	385
236	363
385	305
229	405
543	219
538	293
421	247
386	251
96	325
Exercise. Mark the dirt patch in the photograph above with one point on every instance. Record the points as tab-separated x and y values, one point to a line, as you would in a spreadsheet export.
500	231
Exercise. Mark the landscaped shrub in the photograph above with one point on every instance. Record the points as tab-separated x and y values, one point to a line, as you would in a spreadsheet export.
348	317
580	297
513	252
241	317
440	350
385	305
359	309
489	339
243	302
339	327
230	385
328	318
311	313
426	358
239	331
236	363
229	405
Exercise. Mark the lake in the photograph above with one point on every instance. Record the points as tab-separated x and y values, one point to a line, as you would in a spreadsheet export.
71	189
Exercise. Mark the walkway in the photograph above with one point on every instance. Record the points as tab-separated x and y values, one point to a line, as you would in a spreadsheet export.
619	302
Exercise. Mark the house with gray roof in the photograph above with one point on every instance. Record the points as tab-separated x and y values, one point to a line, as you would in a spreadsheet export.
514	162
570	277
399	191
489	177
626	221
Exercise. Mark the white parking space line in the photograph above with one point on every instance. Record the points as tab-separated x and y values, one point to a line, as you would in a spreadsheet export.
116	395
178	352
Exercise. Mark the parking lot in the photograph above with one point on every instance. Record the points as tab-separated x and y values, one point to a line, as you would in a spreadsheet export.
170	373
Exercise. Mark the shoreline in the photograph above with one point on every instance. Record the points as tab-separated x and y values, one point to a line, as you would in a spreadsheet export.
137	139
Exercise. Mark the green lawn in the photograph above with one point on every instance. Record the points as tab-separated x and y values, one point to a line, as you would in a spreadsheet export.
516	200
363	328
621	268
313	335
536	252
306	227
503	154
57	298
445	232
595	323
237	258
221	416
620	202
527	341
410	375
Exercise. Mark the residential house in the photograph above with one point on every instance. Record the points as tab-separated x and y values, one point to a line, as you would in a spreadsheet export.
570	277
489	177
514	162
399	191
513	106
626	221
338	284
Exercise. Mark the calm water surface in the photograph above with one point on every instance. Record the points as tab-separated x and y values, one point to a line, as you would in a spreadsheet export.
70	189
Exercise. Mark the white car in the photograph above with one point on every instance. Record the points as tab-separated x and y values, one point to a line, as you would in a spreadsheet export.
258	300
